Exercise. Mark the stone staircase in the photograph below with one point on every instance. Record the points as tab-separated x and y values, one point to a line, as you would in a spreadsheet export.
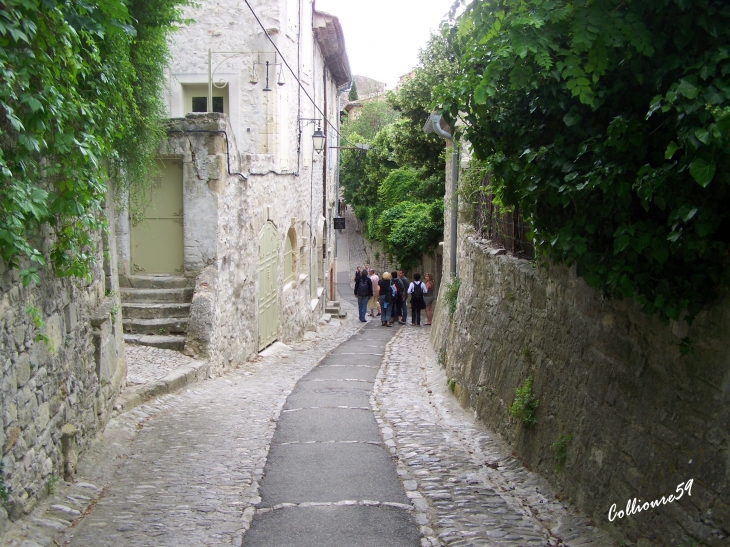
155	310
334	309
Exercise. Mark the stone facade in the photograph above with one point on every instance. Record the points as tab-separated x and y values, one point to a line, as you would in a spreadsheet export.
253	166
622	413
57	392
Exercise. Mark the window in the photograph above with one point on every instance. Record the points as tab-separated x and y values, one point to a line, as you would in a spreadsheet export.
200	104
195	97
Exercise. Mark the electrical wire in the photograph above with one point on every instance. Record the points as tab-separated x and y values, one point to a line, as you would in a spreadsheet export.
283	59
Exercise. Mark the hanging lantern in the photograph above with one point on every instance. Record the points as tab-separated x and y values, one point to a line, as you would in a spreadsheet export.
318	140
253	76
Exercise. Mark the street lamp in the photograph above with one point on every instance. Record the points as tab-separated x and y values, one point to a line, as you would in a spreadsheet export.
318	140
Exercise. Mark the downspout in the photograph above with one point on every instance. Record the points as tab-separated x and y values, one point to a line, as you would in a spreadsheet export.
454	206
433	125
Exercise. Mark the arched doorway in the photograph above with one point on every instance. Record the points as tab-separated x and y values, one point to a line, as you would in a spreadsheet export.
268	302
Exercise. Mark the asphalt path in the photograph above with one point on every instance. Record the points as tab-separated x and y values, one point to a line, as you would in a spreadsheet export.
329	480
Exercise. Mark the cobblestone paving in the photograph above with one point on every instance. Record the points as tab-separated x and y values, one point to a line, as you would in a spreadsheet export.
146	364
191	474
184	470
465	486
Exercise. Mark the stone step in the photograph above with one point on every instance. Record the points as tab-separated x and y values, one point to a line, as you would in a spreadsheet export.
141	310
333	303
162	326
333	310
156	295
164	342
155	282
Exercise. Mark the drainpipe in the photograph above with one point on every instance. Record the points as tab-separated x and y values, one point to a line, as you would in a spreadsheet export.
433	125
454	206
340	91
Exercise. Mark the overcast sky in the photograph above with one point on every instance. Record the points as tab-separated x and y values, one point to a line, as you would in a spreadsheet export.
383	36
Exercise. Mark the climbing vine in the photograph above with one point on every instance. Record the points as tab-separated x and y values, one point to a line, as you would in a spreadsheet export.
607	123
79	105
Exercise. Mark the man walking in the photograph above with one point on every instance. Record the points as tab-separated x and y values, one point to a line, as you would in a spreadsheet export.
417	290
404	304
363	291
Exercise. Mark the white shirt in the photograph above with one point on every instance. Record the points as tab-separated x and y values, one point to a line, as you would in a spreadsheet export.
412	285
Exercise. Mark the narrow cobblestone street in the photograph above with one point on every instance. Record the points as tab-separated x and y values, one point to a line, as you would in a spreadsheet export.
191	468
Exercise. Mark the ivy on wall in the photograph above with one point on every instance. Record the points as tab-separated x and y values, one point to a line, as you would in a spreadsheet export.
608	124
80	104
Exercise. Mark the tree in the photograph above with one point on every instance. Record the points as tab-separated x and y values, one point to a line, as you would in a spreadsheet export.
413	101
352	96
608	124
374	115
79	103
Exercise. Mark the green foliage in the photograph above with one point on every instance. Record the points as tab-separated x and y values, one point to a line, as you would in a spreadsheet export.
374	115
452	295
525	405
409	230
560	447
608	125
4	491
79	102
352	95
51	485
36	318
686	346
397	187
451	384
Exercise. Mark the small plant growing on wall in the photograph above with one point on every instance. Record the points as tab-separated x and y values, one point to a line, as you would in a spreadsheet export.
451	382
452	295
527	355
525	404
560	447
442	357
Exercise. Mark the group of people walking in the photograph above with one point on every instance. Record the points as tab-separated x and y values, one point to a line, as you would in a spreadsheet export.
387	296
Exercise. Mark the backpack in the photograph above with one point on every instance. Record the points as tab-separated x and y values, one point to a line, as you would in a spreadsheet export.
393	291
362	286
417	290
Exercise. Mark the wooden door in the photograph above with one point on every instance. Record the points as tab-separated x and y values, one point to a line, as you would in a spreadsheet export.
157	234
268	308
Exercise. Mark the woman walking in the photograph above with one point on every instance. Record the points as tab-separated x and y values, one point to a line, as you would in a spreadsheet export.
429	298
386	300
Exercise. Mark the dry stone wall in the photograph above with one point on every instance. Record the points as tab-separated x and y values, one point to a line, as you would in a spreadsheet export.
622	413
57	392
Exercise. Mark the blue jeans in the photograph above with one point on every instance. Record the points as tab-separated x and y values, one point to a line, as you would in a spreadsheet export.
385	313
362	306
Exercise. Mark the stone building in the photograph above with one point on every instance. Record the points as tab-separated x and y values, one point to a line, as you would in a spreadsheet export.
236	248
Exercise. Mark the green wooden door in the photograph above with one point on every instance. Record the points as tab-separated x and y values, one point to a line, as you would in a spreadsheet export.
268	277
157	235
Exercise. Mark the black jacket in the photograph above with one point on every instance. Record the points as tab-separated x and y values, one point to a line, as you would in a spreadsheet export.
369	282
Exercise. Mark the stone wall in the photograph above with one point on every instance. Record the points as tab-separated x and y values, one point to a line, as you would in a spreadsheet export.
282	181
58	392
223	217
637	418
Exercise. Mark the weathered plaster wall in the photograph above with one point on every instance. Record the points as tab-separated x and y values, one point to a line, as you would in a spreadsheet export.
224	214
642	417
270	142
55	396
